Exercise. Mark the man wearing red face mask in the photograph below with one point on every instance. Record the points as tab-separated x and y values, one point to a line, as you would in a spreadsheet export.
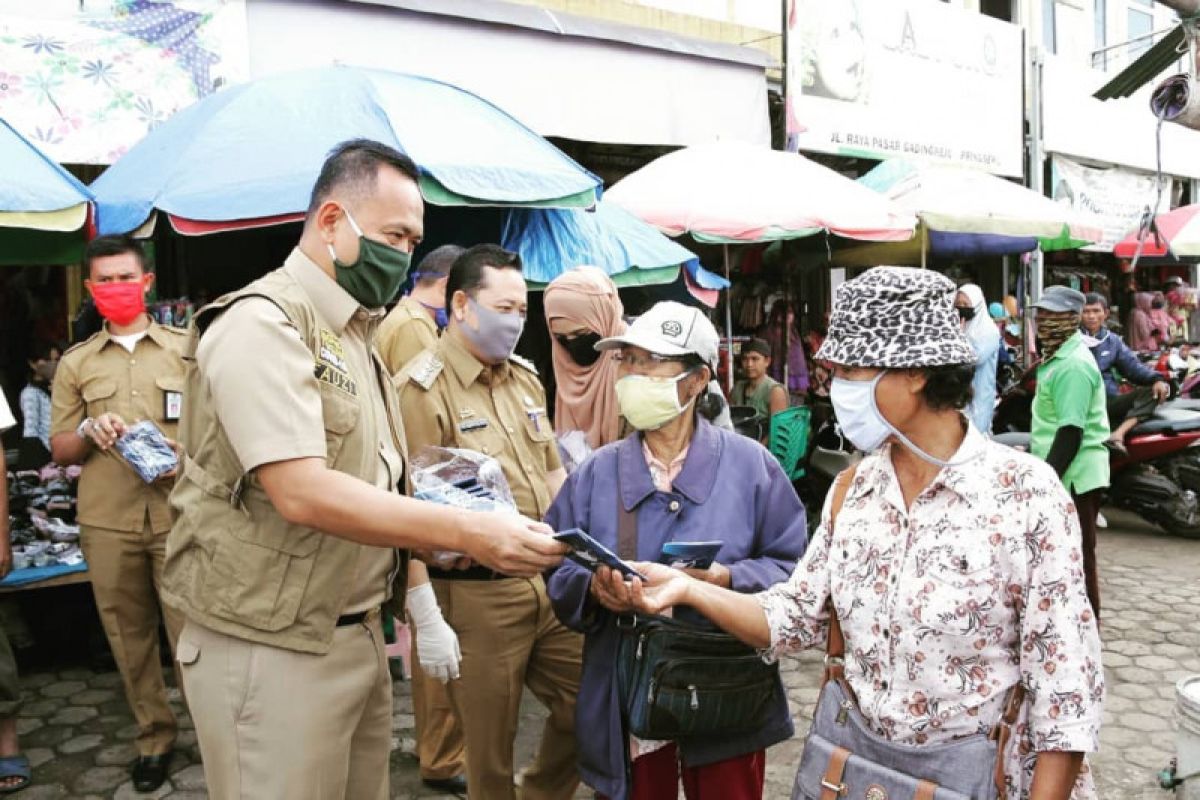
131	370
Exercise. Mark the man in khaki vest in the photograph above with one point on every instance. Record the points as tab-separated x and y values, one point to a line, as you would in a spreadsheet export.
413	325
131	370
471	392
290	507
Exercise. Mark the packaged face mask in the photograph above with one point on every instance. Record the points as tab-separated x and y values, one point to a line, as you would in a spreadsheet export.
146	449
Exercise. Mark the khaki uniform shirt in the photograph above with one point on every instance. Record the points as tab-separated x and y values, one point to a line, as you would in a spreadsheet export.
284	420
404	333
99	376
451	399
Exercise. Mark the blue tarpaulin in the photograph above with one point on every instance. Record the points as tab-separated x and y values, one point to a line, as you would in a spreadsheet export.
552	241
254	150
30	181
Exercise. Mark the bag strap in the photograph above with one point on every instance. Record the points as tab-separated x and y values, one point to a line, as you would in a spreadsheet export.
835	645
1002	732
627	532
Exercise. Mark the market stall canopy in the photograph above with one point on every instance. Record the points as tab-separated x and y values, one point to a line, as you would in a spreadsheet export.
551	241
254	150
1178	236
968	213
43	208
736	193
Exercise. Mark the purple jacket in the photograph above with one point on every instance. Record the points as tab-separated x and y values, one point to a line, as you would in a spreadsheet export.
730	489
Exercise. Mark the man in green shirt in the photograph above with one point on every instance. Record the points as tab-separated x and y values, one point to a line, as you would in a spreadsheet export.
1070	421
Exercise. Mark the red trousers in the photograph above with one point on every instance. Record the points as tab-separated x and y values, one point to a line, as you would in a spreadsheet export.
656	776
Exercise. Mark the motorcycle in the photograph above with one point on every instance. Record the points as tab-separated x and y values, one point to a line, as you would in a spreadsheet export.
1159	479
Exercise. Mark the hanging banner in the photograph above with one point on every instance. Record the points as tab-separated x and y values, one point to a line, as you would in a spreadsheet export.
1116	197
915	79
86	83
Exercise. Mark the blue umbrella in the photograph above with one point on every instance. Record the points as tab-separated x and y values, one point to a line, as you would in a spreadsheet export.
253	151
551	241
43	208
31	182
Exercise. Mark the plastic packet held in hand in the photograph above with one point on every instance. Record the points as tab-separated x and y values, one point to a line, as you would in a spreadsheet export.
146	449
463	479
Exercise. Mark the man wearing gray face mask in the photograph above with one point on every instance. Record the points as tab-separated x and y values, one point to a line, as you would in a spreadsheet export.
471	392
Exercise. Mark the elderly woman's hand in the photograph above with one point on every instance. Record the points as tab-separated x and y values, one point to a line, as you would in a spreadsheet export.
716	574
665	587
610	590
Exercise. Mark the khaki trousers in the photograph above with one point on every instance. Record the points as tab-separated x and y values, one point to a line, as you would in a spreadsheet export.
125	569
439	736
276	724
510	639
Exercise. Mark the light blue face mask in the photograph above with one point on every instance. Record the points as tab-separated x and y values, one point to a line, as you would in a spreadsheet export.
865	426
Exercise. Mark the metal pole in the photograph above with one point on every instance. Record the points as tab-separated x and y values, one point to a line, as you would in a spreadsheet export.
924	244
728	320
1037	161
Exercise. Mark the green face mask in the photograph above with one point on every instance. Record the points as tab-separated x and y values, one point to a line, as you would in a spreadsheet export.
376	276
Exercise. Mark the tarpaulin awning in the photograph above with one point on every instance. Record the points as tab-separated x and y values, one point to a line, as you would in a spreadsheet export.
967	213
735	193
43	208
254	150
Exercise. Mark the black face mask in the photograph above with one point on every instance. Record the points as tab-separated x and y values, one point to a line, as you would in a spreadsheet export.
581	348
1157	304
967	313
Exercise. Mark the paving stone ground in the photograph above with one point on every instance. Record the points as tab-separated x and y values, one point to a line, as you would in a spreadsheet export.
78	733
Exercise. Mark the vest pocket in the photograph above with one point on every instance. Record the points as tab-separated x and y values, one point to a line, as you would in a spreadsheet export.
261	570
340	414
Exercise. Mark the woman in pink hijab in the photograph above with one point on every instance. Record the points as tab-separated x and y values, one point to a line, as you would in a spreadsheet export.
582	307
1160	320
1141	327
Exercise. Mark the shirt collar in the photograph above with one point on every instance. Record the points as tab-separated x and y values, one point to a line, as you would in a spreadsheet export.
1074	341
333	303
466	367
695	481
878	474
156	333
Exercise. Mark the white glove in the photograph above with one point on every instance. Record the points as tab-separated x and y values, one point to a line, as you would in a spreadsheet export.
437	643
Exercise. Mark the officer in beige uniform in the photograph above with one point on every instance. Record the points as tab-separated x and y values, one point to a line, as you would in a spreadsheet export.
408	329
472	392
413	325
131	370
290	506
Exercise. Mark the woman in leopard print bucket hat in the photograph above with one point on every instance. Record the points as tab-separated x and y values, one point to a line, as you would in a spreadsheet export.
954	568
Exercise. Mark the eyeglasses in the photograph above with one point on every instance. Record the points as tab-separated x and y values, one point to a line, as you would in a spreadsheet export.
648	361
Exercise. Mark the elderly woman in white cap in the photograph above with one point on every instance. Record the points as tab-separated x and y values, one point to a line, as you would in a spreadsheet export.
953	569
677	478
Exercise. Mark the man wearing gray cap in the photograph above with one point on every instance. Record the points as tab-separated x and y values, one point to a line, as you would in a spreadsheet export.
1070	418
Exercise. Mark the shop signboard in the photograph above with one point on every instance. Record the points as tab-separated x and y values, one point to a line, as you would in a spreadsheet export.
916	79
86	80
1115	196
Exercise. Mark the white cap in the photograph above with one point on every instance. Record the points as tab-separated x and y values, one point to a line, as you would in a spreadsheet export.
670	329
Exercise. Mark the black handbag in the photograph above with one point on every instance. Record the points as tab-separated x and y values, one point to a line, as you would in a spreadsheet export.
678	680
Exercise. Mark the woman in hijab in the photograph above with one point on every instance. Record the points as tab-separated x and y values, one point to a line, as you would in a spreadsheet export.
582	307
984	337
1160	320
1141	328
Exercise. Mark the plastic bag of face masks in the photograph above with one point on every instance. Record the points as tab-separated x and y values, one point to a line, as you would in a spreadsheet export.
146	449
463	479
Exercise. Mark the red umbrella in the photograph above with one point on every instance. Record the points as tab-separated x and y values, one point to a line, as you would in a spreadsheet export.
1178	236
